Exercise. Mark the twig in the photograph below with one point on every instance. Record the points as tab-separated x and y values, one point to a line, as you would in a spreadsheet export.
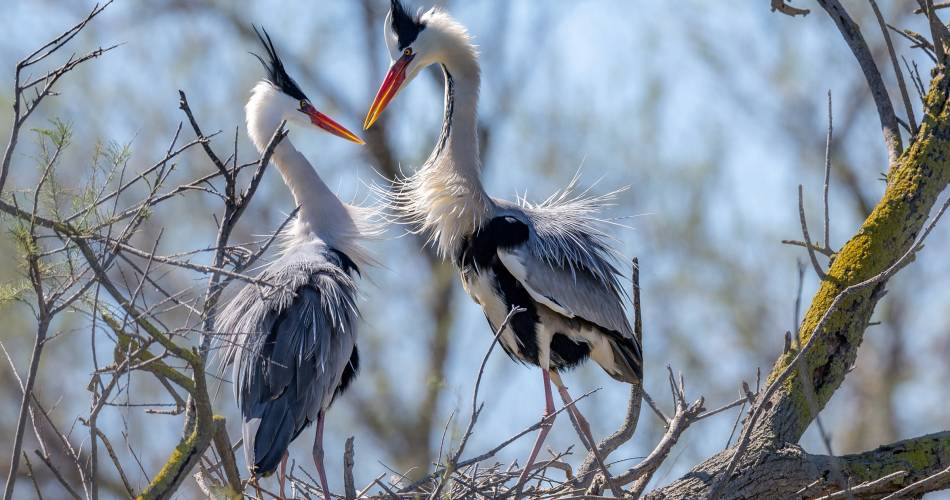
808	244
917	40
827	226
29	469
807	383
388	491
919	486
59	476
349	486
797	243
20	115
451	466
632	417
582	427
788	10
938	32
476	408
935	6
683	416
915	78
490	453
801	492
865	487
656	409
115	461
902	85
39	342
859	47
188	265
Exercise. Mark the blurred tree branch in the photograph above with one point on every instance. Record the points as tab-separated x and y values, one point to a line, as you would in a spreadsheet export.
836	321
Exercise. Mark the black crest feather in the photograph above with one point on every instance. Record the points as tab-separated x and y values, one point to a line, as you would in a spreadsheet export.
405	25
276	74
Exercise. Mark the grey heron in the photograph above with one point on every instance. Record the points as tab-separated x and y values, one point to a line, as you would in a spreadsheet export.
549	258
294	350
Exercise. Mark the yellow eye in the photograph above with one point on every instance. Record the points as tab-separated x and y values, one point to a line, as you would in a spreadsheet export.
407	52
303	103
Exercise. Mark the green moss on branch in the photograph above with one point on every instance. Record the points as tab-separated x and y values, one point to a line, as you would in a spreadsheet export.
922	173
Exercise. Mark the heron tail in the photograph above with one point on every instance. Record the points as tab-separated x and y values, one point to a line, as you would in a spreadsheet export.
267	437
628	358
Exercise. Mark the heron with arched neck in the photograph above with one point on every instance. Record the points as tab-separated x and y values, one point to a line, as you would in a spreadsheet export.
550	258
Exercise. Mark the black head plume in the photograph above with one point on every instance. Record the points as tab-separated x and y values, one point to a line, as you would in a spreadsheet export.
405	25
276	73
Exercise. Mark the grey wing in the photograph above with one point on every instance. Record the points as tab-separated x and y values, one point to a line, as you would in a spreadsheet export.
573	293
566	264
288	366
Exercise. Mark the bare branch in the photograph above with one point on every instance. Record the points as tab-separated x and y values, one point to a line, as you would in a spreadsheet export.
683	416
852	35
808	245
632	416
788	10
452	464
930	483
793	364
902	85
863	488
348	462
827	227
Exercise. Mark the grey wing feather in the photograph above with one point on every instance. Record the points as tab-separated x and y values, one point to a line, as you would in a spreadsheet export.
573	294
289	350
567	263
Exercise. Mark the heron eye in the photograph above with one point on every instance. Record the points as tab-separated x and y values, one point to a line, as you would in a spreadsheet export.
407	51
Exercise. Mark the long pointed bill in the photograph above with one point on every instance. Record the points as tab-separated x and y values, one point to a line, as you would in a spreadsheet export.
388	90
326	123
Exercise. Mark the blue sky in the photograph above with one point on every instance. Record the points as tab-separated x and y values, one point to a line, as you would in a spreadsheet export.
651	95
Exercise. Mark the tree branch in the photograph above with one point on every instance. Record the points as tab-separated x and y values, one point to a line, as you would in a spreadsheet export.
859	47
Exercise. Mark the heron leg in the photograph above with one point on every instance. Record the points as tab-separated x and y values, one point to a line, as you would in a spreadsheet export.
318	456
580	423
546	424
282	474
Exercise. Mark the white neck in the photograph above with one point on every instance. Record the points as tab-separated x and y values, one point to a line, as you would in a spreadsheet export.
322	215
457	147
446	196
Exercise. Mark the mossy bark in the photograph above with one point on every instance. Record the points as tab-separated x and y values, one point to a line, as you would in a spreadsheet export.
774	465
189	450
922	173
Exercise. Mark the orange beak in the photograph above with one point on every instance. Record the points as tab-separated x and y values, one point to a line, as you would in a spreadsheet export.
390	87
326	123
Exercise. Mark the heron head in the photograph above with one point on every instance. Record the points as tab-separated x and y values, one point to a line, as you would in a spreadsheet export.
286	98
415	42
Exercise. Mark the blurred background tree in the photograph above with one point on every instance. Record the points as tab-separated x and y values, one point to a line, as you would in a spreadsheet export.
711	113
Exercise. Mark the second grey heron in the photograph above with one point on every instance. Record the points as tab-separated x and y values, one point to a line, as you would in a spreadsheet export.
549	258
294	350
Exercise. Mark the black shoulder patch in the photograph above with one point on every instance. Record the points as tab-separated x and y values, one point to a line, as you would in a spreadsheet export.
480	248
507	231
346	263
276	74
405	25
